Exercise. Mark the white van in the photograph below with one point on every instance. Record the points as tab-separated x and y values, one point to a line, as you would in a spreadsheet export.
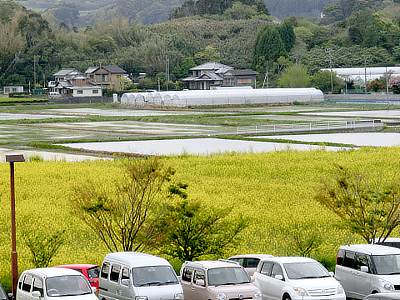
54	283
138	276
367	269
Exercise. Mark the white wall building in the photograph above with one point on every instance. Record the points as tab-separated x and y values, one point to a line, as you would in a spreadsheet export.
359	75
86	91
224	97
13	89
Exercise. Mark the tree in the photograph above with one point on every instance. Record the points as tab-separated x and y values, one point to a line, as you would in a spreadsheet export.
295	76
210	53
43	246
323	80
121	214
376	85
286	31
241	11
367	208
395	84
269	47
191	230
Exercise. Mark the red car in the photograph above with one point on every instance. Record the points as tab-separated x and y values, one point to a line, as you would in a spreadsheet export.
91	272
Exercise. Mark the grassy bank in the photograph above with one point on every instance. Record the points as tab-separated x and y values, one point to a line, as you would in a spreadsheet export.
275	190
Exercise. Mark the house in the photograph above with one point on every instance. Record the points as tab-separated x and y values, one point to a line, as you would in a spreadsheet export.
109	77
70	82
244	77
13	89
212	75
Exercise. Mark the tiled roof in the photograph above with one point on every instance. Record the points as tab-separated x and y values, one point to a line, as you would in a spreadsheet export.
64	72
210	66
115	69
242	72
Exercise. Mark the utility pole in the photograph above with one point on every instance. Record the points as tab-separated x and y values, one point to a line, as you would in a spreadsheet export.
329	52
365	74
34	71
167	72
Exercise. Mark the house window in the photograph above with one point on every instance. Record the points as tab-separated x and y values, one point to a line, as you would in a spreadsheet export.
14	90
6	90
104	78
79	92
92	76
95	91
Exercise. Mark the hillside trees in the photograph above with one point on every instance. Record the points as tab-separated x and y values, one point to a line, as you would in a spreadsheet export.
295	76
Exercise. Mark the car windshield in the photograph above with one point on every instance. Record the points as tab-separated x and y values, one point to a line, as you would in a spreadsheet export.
305	270
93	272
226	276
69	285
154	276
387	264
2	293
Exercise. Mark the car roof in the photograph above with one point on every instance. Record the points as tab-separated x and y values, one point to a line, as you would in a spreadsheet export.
371	249
52	272
290	259
259	256
77	266
211	264
136	259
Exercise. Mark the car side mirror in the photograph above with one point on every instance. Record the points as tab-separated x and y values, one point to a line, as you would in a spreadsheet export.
200	282
125	282
279	277
36	294
364	269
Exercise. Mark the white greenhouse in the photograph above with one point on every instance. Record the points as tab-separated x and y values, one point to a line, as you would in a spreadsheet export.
359	75
224	97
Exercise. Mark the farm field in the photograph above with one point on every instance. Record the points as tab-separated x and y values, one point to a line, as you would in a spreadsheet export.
275	190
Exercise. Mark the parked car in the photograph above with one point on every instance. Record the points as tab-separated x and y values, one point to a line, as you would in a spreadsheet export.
249	261
383	296
51	283
368	269
3	294
296	278
91	272
139	276
390	242
217	280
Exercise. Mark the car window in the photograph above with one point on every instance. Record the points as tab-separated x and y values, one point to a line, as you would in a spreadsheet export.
38	286
361	260
114	274
124	274
349	259
252	262
93	272
187	274
276	270
105	269
26	285
266	268
199	275
340	257
240	261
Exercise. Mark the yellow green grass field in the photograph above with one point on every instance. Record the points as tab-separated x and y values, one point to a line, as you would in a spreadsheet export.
276	190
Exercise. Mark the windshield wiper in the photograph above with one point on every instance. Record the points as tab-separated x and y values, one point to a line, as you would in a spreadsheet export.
226	283
150	283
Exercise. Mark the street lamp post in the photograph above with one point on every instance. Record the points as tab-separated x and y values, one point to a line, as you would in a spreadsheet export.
14	257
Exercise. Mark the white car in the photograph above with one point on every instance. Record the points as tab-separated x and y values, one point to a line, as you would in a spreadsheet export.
54	283
368	269
296	278
249	261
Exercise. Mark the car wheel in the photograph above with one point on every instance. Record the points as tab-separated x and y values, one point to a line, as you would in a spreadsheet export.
286	297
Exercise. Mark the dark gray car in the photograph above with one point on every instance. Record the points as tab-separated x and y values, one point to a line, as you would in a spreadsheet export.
3	294
383	296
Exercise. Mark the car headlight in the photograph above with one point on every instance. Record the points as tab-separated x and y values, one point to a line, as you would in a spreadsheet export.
178	296
339	289
387	285
221	296
257	296
141	298
300	291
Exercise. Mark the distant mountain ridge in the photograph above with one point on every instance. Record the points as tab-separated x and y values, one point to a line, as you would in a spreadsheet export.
85	12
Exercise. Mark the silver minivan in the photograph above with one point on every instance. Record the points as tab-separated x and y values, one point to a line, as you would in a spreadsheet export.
138	276
367	269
